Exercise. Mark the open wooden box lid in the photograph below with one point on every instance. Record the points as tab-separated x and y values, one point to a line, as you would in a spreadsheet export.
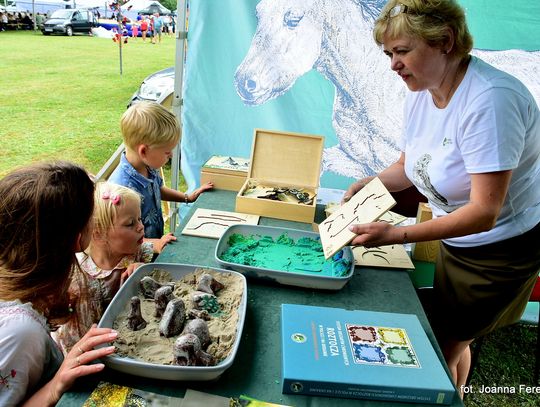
286	158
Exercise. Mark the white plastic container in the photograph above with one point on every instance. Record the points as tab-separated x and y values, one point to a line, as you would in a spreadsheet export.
159	371
280	276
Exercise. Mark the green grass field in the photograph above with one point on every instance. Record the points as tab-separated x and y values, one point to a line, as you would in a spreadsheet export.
507	361
62	98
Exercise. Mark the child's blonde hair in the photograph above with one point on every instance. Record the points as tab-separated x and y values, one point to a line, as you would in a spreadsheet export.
149	123
108	200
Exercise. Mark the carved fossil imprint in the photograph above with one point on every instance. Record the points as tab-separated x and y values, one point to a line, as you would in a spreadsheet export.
366	206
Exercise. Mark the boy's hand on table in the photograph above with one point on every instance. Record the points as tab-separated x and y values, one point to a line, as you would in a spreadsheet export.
205	187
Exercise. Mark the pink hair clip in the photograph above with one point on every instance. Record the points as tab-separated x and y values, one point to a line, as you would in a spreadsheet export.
115	199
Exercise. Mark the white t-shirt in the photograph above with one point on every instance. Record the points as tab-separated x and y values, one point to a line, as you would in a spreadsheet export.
29	358
492	123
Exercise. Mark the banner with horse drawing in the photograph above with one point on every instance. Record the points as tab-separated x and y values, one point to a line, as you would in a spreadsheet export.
311	66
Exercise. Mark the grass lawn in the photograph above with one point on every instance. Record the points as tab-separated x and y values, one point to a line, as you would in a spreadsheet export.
506	362
62	98
506	359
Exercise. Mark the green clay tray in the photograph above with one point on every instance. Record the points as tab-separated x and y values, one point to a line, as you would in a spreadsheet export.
301	276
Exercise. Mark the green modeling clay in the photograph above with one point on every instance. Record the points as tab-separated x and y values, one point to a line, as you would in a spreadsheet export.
304	256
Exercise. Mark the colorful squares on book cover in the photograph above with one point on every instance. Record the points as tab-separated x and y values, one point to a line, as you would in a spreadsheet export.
334	352
381	346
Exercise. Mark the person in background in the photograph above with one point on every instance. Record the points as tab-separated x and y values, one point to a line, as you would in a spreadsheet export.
151	29
134	30
150	134
116	36
45	213
27	22
168	25
125	33
471	144
173	23
3	21
144	28
40	19
157	29
115	251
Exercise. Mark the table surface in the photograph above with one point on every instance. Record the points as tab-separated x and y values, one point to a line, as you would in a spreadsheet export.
256	370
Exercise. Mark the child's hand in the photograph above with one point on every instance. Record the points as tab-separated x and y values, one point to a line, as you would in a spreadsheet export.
161	243
77	362
205	187
129	271
201	189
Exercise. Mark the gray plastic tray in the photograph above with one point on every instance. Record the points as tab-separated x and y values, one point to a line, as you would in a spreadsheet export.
167	372
280	276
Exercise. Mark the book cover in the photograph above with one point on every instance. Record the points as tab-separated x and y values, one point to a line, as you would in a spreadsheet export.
334	352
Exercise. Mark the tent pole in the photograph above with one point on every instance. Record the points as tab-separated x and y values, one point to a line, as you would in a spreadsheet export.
181	38
120	40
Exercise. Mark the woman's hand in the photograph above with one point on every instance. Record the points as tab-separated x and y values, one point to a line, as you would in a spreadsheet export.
76	364
129	271
354	188
375	234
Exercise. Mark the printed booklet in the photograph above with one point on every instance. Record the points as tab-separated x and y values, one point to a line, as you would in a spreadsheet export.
360	354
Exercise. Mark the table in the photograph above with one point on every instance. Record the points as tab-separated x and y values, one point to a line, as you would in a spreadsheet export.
257	368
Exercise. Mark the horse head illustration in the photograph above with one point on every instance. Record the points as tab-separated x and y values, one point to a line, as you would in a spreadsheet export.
335	38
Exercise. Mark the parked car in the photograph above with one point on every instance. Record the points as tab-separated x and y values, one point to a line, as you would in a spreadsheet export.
154	85
69	21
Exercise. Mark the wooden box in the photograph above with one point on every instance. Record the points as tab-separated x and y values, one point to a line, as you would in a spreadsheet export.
284	160
425	251
228	173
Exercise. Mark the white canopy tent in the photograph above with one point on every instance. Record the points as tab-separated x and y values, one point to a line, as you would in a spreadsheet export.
42	6
48	6
137	5
101	5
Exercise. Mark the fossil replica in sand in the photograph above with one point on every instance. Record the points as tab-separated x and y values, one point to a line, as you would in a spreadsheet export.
173	318
188	347
149	286
162	297
196	318
135	320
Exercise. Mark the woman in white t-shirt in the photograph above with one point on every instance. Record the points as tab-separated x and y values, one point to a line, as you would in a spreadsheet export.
471	145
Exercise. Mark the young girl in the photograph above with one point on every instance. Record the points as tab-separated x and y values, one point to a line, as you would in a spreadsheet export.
44	212
134	30
115	251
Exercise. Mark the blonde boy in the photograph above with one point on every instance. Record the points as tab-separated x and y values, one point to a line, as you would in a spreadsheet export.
150	133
